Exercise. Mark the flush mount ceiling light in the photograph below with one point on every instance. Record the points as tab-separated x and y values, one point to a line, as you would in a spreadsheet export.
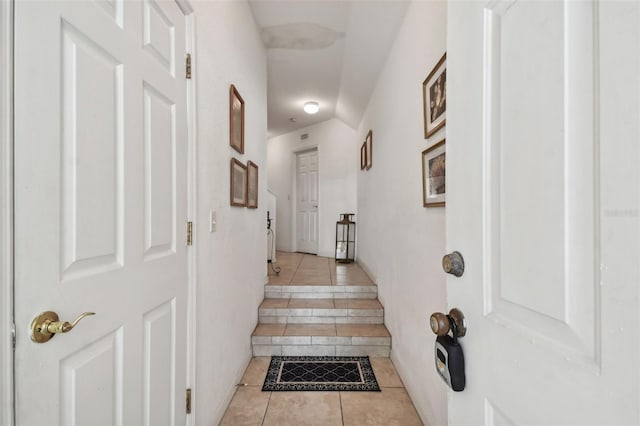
311	107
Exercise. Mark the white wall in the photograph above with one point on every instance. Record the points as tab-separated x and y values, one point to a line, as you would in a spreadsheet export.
232	261
338	162
400	242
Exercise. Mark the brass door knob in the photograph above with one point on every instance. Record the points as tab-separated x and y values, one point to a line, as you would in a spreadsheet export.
441	323
453	263
47	324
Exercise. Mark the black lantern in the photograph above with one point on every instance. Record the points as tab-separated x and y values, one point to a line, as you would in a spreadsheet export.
345	239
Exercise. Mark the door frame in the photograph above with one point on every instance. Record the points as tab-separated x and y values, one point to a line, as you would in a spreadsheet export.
7	400
192	174
294	192
6	218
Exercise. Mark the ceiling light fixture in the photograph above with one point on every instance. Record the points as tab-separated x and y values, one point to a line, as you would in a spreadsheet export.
311	107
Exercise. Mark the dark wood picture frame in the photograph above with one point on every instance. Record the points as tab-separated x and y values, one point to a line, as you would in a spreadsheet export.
434	171
252	185
363	156
434	98
369	149
236	120
238	186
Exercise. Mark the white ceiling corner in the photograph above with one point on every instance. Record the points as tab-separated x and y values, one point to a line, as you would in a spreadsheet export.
325	51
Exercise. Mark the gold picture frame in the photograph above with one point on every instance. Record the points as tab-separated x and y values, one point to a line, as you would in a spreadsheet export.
434	171
238	187
369	149
236	120
363	156
252	185
434	98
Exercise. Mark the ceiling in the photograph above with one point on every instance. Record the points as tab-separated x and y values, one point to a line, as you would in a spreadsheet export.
330	52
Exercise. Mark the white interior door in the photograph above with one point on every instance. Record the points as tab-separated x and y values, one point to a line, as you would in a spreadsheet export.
542	202
100	199
307	202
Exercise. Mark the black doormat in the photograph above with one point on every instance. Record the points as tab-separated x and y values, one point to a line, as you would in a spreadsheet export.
320	373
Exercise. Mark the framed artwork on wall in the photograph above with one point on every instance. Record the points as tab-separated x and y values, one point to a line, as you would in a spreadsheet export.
238	183
434	168
252	185
369	149
236	120
434	98
363	156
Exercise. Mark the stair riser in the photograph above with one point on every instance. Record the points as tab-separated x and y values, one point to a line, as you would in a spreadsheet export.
320	312
301	295
321	291
268	319
321	340
321	350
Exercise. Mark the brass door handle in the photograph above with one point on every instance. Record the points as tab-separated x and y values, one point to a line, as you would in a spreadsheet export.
47	324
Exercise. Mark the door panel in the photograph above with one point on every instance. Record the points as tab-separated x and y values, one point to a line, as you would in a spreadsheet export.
534	190
91	160
92	374
539	158
159	380
160	163
100	198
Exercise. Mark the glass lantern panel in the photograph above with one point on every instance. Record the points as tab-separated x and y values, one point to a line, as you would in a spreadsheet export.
350	251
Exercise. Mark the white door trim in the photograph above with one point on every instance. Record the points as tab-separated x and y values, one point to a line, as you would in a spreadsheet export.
6	218
192	209
192	206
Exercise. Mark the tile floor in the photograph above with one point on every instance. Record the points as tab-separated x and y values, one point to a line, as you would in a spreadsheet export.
306	269
251	406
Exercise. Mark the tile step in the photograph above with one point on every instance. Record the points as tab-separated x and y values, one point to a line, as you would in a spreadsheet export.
321	311
321	291
338	340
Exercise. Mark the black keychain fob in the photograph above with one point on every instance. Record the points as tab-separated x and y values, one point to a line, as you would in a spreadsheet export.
450	360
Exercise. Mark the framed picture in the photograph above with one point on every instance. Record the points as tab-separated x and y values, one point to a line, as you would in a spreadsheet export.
369	149
434	167
238	183
363	156
434	97
236	120
252	185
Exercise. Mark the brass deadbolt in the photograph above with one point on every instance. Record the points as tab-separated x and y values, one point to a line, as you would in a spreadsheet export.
453	263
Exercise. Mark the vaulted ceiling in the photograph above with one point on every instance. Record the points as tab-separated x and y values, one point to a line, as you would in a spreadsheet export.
330	52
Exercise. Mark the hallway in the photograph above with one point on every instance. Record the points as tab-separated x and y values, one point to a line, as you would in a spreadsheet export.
339	317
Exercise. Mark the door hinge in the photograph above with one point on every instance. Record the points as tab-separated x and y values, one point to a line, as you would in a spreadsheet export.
188	71
189	233
188	401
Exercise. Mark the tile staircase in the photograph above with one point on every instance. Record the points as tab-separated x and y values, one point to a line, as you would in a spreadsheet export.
317	307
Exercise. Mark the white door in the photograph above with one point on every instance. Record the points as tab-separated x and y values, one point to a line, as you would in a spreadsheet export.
542	202
100	199
307	202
